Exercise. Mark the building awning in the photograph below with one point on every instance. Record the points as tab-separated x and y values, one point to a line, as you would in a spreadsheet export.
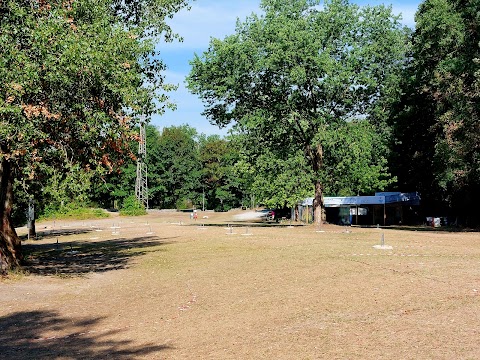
353	201
380	198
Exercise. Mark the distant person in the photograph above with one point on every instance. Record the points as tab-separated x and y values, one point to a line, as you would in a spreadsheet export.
272	215
195	215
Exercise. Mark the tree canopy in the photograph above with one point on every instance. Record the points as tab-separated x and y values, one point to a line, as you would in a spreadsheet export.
75	76
299	71
178	167
437	125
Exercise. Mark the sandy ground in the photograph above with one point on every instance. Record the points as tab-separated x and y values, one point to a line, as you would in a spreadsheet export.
164	286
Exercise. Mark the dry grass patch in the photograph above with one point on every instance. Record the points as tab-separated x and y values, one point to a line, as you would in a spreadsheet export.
164	290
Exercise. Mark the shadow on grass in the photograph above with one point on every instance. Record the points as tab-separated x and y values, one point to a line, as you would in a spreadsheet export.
42	235
76	258
46	335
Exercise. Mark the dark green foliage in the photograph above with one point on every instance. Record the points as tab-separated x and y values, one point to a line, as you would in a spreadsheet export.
74	78
109	190
74	212
290	77
177	167
220	184
132	207
182	167
438	125
355	161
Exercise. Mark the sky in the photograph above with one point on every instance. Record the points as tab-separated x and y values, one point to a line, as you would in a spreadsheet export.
217	18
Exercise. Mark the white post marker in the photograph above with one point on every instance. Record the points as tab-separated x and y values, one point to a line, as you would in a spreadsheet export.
150	232
247	232
230	230
114	229
382	245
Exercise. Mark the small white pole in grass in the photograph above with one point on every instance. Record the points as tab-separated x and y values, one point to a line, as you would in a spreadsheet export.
230	230
114	229
382	245
247	232
150	230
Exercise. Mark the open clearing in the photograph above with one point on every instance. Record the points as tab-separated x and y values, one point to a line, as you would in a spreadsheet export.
163	286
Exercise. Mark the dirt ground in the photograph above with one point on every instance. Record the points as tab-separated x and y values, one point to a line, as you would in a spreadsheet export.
164	286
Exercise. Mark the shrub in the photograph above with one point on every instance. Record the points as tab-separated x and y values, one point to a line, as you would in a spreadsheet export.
184	204
132	207
73	211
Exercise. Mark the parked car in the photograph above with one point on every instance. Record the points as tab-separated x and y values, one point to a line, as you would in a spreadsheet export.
267	214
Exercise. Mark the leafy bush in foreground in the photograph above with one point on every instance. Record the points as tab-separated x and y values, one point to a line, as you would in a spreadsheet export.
132	207
72	212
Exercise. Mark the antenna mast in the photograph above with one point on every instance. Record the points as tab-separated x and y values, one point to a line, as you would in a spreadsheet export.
141	188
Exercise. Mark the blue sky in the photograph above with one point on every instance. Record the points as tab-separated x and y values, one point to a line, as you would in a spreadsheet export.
216	18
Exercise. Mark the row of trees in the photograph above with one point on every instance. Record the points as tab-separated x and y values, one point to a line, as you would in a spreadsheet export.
75	76
185	169
321	83
436	121
323	97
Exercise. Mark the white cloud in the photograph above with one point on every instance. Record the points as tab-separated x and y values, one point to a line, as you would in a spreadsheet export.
208	19
215	18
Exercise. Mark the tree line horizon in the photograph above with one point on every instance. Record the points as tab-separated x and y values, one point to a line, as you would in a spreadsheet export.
333	100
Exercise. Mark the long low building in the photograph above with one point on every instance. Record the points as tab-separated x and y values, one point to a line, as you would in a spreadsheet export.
384	208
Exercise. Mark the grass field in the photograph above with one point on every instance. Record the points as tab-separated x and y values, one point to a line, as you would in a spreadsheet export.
164	286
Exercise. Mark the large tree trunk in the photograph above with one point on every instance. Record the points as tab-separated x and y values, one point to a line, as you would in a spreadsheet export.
318	202
10	245
32	232
317	162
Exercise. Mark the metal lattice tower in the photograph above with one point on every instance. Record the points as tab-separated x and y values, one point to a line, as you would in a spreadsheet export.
141	188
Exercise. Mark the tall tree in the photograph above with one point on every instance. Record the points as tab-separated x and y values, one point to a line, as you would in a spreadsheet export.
74	76
275	179
178	167
220	184
438	126
355	160
298	71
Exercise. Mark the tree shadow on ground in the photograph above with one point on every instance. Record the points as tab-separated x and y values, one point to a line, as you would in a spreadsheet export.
43	235
77	258
46	335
